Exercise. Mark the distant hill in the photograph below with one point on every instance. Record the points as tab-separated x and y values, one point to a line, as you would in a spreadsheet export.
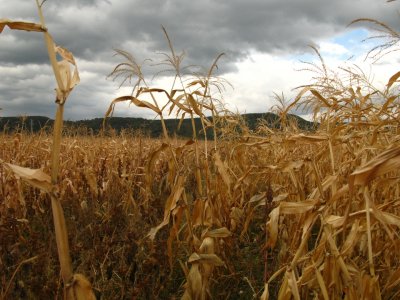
147	126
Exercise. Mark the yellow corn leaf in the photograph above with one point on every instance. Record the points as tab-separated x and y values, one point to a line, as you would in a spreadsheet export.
135	101
320	97
19	25
67	56
218	233
222	170
194	105
351	239
194	284
212	259
259	198
280	197
297	207
151	162
273	227
321	283
265	294
80	289
291	165
370	288
35	177
308	138
284	290
387	161
393	79
292	282
308	223
91	180
385	217
170	205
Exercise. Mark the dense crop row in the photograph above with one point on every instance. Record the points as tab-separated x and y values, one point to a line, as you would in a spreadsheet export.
271	213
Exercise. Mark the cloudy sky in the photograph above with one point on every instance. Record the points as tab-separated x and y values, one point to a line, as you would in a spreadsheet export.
264	41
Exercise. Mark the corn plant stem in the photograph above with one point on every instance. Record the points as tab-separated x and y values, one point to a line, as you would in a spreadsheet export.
58	214
60	227
368	215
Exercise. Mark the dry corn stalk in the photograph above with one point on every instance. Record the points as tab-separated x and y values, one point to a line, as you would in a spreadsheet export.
75	286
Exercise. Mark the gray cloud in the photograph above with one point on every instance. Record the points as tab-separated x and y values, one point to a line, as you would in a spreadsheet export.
92	28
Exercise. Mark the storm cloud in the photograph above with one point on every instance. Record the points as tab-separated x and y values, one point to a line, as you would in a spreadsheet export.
91	29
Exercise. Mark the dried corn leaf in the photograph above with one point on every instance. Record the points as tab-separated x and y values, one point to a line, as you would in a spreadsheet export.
321	283
273	227
393	79
170	205
297	207
135	101
387	161
351	239
151	163
393	280
385	217
291	165
69	80
259	199
193	104
194	284
280	197
19	25
218	233
212	259
222	170
292	282
80	289
284	290
265	294
320	97
308	138
35	177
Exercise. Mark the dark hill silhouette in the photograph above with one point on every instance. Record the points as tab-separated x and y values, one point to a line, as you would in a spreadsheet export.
147	126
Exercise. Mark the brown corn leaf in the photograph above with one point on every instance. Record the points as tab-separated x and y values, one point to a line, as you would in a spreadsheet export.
387	161
393	280
35	177
19	25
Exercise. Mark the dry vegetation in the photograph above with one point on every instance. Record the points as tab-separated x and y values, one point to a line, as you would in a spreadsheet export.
278	214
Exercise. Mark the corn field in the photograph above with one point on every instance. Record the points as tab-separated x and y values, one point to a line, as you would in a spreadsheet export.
266	214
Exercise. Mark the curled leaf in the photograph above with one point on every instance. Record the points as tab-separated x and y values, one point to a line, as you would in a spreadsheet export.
19	25
35	177
387	161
